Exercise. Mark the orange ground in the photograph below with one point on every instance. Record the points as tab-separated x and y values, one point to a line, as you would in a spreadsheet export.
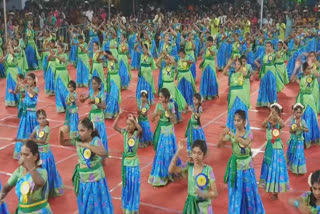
169	199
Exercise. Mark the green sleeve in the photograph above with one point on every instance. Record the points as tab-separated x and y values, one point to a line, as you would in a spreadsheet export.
103	98
96	142
46	129
211	175
74	140
304	124
157	108
153	64
43	174
14	177
123	131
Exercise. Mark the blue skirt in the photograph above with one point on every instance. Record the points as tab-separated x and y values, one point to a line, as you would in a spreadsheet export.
237	105
221	56
244	197
44	66
124	75
196	133
177	112
112	102
101	128
153	49
185	87
135	60
49	83
2	71
72	120
144	85
94	197
54	179
61	96
166	149
295	157
174	53
209	84
27	124
194	71
3	206
250	60
268	90
31	56
82	78
260	50
197	48
313	125
131	191
160	81
73	57
11	99
274	177
311	45
147	134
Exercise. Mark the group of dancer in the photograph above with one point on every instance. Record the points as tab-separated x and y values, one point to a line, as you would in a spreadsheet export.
175	50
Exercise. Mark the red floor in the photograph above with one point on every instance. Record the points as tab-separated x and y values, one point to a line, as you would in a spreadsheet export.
169	199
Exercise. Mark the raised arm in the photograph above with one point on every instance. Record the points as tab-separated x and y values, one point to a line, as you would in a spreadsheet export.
173	168
115	124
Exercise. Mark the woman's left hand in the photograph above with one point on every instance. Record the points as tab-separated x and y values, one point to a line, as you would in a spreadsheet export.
201	194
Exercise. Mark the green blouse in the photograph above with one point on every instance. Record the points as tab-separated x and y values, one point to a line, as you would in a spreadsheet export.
130	150
164	115
93	160
201	181
168	73
183	65
61	64
242	152
35	194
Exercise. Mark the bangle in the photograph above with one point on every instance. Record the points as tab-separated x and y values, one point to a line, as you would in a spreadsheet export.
296	203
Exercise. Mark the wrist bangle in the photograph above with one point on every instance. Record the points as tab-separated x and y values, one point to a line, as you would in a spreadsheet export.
296	203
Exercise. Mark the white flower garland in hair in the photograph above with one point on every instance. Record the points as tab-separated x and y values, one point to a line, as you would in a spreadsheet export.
309	179
298	104
276	104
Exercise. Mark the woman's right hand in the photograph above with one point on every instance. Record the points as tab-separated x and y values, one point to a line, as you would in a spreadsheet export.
226	131
304	209
28	164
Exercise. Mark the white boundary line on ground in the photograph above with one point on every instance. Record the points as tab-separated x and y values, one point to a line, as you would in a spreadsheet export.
6	146
5	173
8	116
11	126
66	158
